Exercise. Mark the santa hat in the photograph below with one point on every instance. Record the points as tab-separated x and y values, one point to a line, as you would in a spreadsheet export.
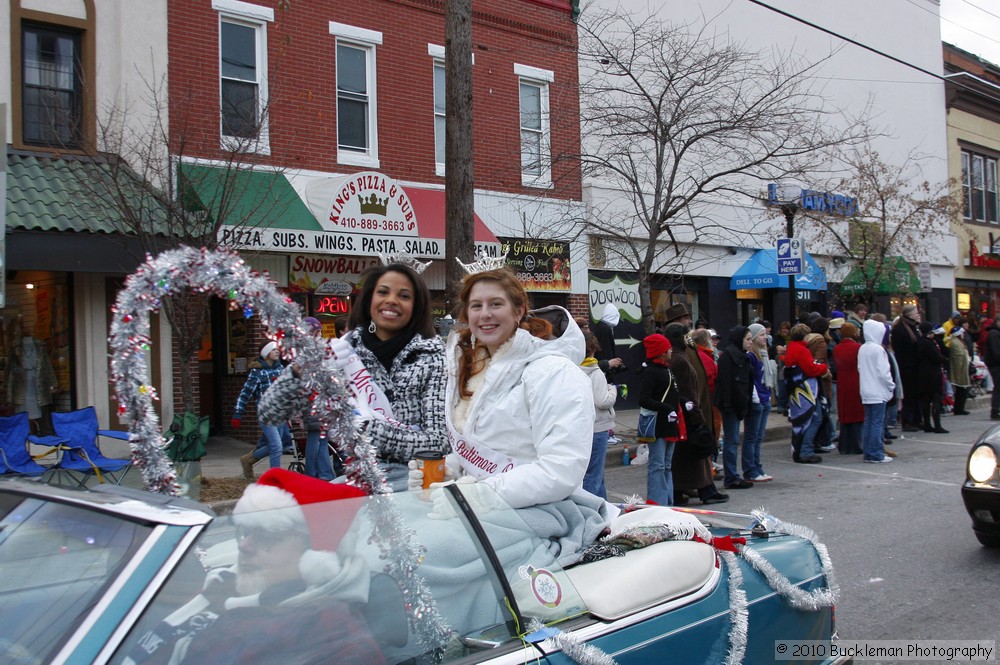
656	345
267	348
281	501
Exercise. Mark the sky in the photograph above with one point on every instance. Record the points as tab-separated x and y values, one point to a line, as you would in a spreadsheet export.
973	25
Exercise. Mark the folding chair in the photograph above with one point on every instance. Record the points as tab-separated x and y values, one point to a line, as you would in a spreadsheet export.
15	435
82	455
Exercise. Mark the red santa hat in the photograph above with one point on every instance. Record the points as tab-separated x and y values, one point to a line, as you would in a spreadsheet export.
284	500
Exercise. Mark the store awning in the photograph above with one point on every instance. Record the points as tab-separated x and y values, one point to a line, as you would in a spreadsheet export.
893	275
362	214
760	271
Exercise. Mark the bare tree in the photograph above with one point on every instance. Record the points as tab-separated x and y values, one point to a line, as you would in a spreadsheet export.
156	197
681	128
897	214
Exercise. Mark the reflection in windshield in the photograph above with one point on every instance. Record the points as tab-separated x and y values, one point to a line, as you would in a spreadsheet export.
244	594
56	560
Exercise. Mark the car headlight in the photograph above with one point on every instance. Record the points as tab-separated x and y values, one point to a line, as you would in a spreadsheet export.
982	464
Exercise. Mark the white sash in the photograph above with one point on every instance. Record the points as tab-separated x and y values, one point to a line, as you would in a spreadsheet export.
476	458
365	390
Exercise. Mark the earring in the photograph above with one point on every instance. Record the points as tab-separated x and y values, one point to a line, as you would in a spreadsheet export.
472	340
372	328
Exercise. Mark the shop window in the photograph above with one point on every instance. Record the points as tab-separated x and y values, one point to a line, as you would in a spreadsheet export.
243	74
52	86
534	125
357	114
979	188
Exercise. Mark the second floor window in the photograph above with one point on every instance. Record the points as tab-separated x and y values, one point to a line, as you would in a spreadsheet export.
52	94
353	99
979	187
241	79
439	115
536	138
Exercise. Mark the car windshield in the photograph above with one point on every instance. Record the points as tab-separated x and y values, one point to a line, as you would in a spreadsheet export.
386	575
56	559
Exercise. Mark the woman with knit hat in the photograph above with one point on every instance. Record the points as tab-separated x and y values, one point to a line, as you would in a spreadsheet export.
658	392
263	372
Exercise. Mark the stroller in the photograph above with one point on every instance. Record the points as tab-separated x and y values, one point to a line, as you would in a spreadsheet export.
298	463
979	378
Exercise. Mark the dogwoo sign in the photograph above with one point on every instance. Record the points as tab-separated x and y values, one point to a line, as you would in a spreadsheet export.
617	290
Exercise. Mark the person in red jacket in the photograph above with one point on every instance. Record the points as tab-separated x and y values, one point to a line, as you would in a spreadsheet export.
850	412
802	374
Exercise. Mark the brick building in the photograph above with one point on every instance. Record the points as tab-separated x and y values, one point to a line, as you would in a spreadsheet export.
337	112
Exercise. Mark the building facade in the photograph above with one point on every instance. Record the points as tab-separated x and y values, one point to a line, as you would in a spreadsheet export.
70	62
973	103
336	113
848	81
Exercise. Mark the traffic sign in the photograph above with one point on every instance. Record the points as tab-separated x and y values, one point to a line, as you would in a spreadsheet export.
790	253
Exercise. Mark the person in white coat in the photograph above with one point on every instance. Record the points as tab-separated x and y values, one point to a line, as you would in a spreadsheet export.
877	386
520	411
604	402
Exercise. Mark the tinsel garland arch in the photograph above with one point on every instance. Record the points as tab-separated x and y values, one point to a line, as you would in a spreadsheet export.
226	275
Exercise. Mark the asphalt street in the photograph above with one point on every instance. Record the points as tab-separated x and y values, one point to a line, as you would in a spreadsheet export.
900	540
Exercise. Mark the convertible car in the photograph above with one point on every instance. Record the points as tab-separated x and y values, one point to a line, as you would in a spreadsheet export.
121	576
981	489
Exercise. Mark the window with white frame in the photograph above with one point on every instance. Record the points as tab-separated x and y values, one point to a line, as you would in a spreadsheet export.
979	187
533	86
439	116
357	113
243	71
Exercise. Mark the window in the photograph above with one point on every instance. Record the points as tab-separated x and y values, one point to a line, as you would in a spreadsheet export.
52	92
979	188
357	117
439	117
243	72
534	125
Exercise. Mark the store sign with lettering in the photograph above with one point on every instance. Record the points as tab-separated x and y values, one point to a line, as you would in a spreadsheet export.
541	265
620	291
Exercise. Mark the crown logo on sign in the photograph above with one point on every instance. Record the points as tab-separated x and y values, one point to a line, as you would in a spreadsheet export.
405	260
373	205
484	263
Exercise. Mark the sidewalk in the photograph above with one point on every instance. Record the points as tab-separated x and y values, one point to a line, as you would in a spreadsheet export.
224	452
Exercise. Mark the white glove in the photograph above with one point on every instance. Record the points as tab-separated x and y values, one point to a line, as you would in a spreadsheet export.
415	478
482	499
672	417
689	406
340	352
452	467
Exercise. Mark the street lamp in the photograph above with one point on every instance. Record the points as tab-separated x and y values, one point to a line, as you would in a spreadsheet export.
787	199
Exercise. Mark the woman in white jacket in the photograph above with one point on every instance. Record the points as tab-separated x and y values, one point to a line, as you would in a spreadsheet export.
604	401
877	386
520	412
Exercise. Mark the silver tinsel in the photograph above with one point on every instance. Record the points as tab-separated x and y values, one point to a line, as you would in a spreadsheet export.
796	597
739	614
572	648
225	275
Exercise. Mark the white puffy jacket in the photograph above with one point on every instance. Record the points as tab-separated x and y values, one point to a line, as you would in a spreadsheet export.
874	373
535	403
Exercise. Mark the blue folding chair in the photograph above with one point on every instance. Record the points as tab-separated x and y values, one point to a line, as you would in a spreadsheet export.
15	435
82	457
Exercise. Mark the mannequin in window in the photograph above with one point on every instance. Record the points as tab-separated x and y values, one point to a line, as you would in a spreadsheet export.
31	380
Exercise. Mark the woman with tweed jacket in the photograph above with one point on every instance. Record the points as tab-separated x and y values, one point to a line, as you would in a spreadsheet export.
392	334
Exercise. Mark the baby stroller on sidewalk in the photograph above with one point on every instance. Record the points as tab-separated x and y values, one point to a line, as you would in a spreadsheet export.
980	382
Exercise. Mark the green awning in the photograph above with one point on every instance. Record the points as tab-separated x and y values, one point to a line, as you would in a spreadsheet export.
243	197
79	194
892	275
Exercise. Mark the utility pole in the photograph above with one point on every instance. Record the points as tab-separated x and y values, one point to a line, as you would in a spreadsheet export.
459	185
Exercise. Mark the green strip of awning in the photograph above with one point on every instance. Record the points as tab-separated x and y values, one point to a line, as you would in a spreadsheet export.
244	197
890	276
